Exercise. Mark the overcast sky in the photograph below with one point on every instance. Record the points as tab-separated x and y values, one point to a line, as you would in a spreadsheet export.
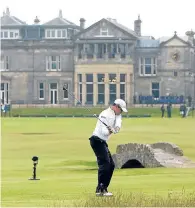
159	17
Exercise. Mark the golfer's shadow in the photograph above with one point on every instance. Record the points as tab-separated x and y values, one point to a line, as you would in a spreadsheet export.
89	169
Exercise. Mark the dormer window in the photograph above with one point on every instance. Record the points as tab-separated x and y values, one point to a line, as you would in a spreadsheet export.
9	34
56	33
103	31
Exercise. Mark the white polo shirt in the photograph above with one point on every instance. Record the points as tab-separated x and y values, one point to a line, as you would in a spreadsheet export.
108	117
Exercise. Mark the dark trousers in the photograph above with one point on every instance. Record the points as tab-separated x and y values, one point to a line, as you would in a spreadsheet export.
104	160
163	113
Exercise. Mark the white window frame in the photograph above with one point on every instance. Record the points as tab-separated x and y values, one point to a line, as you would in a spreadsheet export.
42	89
123	83
49	63
4	63
104	31
91	83
142	65
53	33
16	34
80	86
67	87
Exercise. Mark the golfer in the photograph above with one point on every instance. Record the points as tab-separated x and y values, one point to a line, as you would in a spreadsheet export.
98	141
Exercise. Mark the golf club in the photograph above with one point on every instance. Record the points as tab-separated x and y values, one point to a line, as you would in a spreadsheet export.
71	94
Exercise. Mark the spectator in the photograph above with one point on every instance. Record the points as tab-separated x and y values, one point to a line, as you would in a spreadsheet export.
163	110
169	110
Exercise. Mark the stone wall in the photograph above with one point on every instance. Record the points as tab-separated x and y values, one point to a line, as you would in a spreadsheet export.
162	154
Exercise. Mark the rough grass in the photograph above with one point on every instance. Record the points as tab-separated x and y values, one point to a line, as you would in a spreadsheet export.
172	199
68	170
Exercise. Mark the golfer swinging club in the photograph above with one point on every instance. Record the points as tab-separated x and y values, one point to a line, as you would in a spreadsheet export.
98	141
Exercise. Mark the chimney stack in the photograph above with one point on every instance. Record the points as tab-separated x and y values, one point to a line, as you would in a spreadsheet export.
36	20
60	13
7	11
190	35
82	23
137	26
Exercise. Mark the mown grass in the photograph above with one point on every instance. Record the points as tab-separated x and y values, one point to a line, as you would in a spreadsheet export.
68	170
154	112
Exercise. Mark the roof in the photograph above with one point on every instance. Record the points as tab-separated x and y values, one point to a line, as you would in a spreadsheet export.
59	21
7	19
147	37
114	22
166	38
148	43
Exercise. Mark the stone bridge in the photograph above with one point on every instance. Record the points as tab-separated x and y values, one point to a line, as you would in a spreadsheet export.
162	154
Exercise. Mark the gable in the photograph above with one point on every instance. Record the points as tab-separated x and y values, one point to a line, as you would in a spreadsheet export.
176	42
59	21
106	29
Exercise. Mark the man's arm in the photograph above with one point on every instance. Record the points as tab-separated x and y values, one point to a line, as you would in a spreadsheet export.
105	130
118	123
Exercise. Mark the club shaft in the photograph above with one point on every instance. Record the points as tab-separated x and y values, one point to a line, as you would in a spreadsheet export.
85	106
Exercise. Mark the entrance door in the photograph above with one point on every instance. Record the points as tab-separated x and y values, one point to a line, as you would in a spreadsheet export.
53	93
156	89
4	93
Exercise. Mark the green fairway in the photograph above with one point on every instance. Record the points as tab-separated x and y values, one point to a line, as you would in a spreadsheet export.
67	165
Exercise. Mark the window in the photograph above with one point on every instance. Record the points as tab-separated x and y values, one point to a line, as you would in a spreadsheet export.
41	91
80	88
32	32
175	74
59	33
112	87
4	93
53	93
112	78
122	91
154	66
53	63
80	93
89	85
80	77
103	32
9	34
101	93
89	93
53	86
147	66
89	50
89	77
65	97
112	92
100	78
56	33
4	63
70	32
122	77
155	89
121	48
141	66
